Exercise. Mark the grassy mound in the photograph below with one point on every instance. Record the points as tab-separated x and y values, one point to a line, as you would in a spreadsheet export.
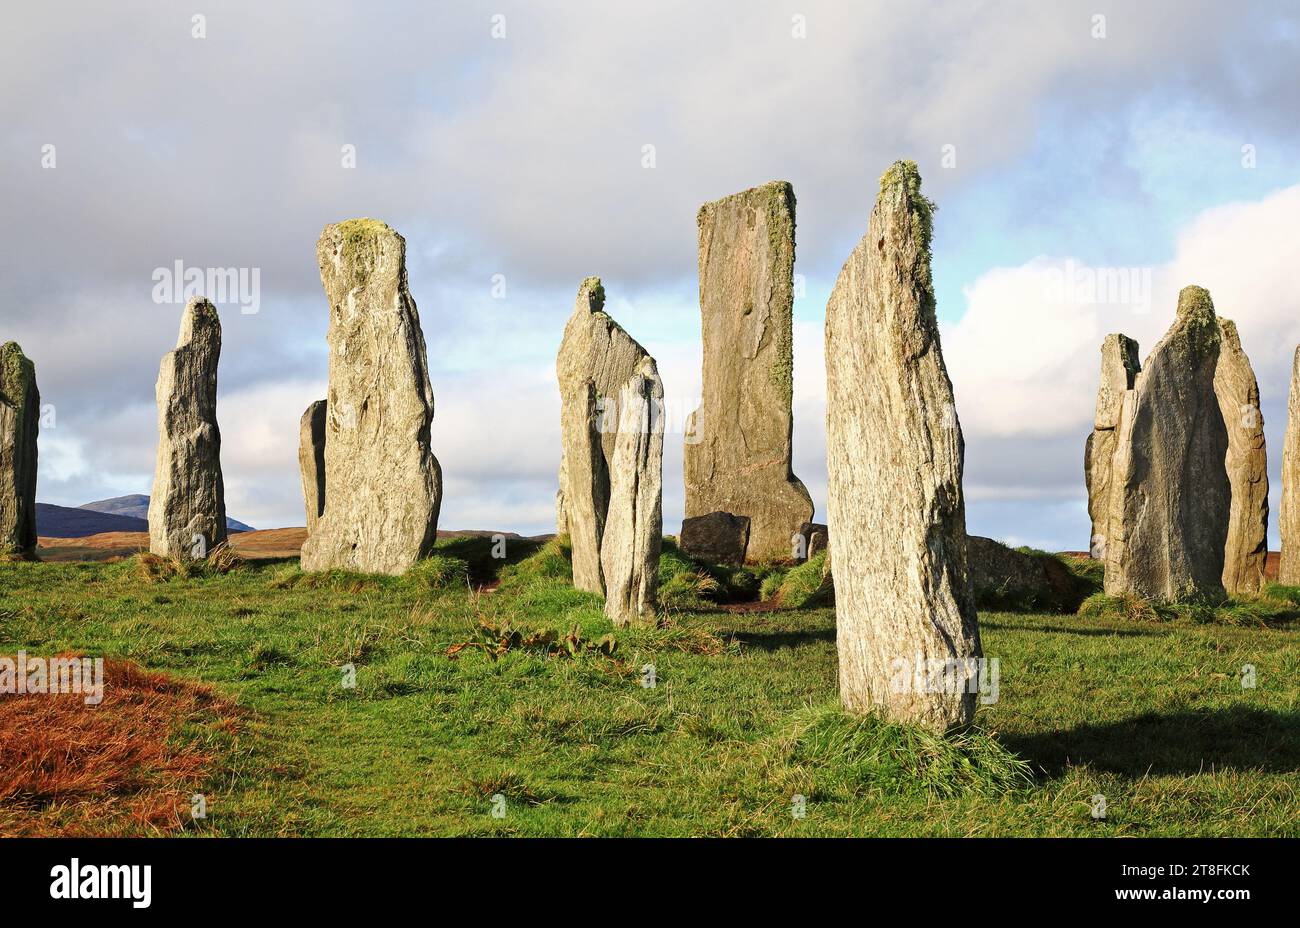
847	756
1276	605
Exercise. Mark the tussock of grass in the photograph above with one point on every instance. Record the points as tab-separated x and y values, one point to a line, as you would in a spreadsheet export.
1275	606
804	585
439	572
685	583
849	756
221	560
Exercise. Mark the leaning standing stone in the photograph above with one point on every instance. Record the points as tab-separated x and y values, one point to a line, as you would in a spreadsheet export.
740	462
1246	463
903	603
1119	368
187	506
596	359
1289	517
20	405
383	484
1170	497
629	551
311	460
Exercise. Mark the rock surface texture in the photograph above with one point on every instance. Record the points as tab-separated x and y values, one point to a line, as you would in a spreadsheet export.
383	483
20	413
1289	517
311	460
738	458
1170	497
1119	369
718	537
897	520
597	359
187	507
629	550
1237	390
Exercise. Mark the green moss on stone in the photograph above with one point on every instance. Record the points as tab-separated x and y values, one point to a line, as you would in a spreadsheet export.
906	175
17	373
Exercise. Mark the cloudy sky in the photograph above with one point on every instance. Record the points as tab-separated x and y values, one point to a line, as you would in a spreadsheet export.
1153	143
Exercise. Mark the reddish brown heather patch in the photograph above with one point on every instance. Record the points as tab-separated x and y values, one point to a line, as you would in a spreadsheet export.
117	768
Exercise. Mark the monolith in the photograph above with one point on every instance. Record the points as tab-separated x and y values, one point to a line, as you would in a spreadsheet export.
907	635
629	550
20	412
1247	465
597	358
1119	368
1289	515
737	456
311	460
187	506
383	485
1170	497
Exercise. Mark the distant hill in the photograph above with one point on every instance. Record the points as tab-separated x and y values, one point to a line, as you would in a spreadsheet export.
136	506
65	522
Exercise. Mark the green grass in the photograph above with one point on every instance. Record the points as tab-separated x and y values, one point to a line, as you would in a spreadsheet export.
1145	710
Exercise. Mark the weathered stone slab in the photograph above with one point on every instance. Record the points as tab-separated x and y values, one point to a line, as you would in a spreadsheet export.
20	414
896	512
716	537
629	550
1170	497
1119	368
1237	391
1288	571
383	483
740	462
596	360
311	460
187	506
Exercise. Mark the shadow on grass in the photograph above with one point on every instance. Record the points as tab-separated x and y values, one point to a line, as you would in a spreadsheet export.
775	641
1062	630
1183	743
476	552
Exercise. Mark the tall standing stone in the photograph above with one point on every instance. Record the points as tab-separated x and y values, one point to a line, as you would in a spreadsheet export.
897	522
737	457
629	551
1119	369
1237	391
187	506
1170	497
311	460
1289	516
20	413
383	483
597	358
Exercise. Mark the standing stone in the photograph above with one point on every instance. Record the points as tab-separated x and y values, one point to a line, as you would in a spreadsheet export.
311	460
1247	465
629	551
897	521
1119	368
596	359
187	506
739	462
1289	517
1170	497
384	486
20	413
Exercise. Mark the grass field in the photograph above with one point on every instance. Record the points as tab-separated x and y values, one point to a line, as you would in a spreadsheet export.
1146	709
